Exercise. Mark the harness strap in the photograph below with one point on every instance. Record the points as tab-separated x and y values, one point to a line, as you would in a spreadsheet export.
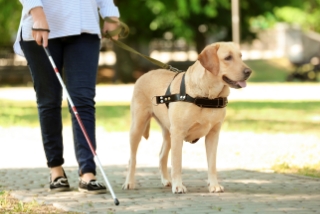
183	86
202	102
219	102
168	93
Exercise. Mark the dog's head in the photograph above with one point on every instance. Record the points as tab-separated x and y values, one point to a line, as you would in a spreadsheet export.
223	59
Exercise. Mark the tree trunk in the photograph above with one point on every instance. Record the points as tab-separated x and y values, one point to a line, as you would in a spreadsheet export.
201	41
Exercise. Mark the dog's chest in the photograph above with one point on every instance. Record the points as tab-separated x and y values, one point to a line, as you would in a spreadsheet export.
204	122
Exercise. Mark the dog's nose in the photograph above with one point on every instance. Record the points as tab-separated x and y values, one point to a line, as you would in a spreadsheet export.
247	72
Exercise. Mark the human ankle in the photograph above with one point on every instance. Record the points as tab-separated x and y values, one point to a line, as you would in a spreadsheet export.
56	172
87	177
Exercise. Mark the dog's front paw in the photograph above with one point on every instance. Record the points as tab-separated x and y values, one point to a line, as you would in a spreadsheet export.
178	189
166	182
215	188
128	185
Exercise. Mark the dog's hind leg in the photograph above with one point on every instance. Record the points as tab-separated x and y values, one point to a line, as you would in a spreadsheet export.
163	158
140	121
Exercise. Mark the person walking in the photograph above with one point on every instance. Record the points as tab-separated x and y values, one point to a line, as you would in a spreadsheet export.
71	31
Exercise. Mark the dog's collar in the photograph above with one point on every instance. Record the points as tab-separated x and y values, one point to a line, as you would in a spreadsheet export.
202	102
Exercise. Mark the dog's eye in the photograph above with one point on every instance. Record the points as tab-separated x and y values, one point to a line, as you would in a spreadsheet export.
228	57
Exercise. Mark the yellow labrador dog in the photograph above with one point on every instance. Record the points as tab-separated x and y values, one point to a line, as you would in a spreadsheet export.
219	67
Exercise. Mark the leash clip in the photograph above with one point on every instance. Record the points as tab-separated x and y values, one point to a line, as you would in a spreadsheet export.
174	69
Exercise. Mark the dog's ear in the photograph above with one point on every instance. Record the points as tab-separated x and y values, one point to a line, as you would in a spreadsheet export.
209	59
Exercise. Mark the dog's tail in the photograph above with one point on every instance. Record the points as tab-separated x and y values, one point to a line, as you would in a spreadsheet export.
147	131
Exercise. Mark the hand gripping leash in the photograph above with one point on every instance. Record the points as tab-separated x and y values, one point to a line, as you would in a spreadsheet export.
122	31
76	114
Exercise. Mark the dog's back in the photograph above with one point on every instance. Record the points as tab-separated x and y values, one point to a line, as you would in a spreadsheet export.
153	83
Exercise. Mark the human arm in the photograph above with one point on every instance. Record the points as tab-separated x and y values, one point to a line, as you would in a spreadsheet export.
35	9
108	9
40	22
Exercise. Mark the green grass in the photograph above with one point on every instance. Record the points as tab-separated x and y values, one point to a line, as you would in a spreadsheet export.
274	70
273	117
113	118
262	116
308	170
25	114
10	205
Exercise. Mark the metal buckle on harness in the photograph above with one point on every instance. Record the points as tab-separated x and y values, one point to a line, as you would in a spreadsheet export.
163	99
182	97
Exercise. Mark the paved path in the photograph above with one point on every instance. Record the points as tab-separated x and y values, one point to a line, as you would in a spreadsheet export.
254	91
244	163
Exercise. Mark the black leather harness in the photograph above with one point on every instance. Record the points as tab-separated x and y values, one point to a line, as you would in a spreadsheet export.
202	102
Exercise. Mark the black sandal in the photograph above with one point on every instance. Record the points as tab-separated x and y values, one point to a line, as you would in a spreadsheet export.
60	183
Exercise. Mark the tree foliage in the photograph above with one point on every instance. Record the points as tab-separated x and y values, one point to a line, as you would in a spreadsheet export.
198	22
194	20
306	16
10	14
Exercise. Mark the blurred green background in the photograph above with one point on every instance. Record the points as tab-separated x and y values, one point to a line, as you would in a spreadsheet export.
268	30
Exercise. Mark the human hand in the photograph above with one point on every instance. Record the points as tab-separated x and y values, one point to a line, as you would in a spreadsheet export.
110	26
40	28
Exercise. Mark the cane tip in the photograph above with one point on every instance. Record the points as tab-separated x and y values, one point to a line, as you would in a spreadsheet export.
116	201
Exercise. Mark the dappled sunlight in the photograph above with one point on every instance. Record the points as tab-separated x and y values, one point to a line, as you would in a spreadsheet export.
245	191
245	150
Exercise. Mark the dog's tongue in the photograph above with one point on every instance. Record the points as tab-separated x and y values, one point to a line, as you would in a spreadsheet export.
243	84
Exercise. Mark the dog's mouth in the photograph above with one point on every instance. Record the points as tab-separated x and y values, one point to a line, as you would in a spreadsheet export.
235	84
